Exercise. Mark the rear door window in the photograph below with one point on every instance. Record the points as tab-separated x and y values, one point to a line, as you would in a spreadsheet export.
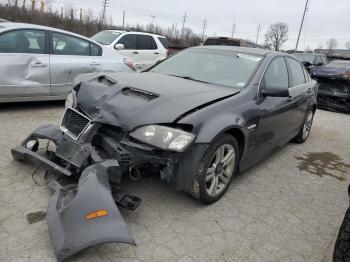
296	72
145	42
129	41
69	45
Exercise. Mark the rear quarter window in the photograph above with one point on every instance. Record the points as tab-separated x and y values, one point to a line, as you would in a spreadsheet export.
164	42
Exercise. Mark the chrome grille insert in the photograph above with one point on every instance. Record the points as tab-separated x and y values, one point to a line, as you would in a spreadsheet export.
74	123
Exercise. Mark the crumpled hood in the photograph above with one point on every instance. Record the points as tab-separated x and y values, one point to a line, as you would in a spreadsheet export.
132	100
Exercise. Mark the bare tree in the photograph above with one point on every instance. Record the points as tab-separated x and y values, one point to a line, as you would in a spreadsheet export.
277	35
332	43
307	49
347	45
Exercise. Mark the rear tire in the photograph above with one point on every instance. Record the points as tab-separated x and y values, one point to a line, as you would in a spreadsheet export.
306	128
342	245
217	168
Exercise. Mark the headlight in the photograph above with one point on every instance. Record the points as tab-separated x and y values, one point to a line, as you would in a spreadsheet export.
71	100
163	137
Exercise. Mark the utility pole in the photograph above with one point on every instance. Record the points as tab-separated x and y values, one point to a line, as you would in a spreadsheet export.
62	12
42	6
153	16
123	19
257	35
301	25
24	4
204	27
233	29
183	23
104	5
81	14
33	8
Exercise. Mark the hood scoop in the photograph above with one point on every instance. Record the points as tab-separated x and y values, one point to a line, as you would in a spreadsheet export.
130	91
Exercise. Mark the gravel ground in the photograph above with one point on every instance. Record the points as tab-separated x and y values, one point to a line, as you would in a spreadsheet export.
287	208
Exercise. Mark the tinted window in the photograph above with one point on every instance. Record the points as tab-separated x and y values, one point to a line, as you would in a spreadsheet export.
106	37
221	42
296	72
276	75
23	41
228	68
95	50
129	41
164	42
69	45
145	42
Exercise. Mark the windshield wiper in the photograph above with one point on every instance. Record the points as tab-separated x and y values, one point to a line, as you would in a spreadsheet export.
191	78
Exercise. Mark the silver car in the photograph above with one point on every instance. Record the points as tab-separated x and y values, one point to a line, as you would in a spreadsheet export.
40	63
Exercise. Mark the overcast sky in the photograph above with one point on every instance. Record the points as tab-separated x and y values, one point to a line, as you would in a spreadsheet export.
324	19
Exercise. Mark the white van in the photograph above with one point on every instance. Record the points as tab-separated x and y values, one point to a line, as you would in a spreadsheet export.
143	48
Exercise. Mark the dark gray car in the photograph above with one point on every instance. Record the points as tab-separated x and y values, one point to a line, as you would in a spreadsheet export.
196	119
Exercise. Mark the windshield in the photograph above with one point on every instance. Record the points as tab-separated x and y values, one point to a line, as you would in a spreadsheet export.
306	58
221	67
337	63
106	37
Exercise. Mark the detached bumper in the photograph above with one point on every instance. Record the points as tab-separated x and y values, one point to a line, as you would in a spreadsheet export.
72	215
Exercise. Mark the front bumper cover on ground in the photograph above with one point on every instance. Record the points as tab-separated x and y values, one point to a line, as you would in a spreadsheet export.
70	230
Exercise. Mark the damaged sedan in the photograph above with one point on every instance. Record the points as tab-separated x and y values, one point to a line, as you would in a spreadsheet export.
195	119
334	85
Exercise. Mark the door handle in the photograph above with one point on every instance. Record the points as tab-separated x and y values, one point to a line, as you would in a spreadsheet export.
38	64
156	53
309	90
94	63
135	53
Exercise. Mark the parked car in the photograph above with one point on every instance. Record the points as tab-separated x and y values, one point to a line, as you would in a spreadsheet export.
309	60
40	63
143	48
334	85
341	251
196	119
230	41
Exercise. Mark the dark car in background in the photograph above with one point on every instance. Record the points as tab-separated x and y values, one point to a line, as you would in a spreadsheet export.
333	85
195	119
309	59
230	41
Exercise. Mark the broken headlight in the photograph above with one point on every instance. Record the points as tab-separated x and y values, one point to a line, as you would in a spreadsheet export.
71	100
163	137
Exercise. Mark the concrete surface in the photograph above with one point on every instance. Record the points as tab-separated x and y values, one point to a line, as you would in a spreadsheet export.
283	209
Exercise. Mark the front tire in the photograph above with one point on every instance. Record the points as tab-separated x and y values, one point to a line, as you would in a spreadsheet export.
217	168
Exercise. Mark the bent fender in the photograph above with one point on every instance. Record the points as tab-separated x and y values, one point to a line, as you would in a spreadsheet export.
70	229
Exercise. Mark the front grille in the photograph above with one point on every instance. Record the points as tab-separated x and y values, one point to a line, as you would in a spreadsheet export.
74	123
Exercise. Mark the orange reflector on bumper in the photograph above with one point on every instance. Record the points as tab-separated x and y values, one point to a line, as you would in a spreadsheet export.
96	214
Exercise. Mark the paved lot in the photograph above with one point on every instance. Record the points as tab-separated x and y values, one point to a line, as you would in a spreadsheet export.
287	208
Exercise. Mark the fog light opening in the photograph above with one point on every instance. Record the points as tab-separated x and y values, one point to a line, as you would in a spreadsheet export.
32	144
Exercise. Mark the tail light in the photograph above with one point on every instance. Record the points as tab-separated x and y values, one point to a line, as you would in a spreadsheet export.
128	61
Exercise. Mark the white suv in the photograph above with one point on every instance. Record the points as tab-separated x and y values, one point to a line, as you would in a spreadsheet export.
143	48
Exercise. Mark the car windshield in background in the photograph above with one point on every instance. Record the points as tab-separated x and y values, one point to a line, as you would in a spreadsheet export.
341	64
306	58
232	69
106	37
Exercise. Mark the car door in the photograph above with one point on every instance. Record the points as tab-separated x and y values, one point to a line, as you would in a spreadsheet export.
70	56
24	63
299	90
148	52
130	50
275	120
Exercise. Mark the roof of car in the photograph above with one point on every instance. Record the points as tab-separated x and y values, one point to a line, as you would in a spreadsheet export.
250	50
5	25
137	32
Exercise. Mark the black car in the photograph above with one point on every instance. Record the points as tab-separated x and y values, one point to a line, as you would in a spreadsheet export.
310	60
196	119
334	85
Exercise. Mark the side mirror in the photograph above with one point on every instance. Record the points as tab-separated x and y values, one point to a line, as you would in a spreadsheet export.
275	92
119	47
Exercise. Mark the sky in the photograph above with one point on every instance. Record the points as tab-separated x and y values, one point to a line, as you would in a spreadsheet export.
324	19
